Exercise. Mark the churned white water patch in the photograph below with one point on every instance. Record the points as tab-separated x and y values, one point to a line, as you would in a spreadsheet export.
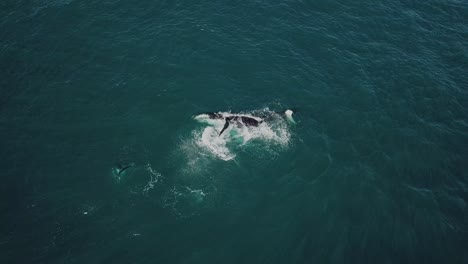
215	144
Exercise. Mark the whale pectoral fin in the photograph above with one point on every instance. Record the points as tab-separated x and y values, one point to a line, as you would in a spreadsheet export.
224	128
121	170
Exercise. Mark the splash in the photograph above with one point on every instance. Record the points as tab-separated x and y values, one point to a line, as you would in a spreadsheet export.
273	131
217	145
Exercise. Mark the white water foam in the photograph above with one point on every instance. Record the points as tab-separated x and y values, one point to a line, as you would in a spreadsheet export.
186	202
217	145
155	177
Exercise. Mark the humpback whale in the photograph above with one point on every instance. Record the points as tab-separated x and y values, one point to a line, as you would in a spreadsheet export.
242	119
121	167
222	131
238	119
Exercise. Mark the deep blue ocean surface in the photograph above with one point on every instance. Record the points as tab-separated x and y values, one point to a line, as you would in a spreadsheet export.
106	158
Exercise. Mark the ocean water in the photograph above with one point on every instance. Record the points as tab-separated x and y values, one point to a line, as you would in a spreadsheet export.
106	159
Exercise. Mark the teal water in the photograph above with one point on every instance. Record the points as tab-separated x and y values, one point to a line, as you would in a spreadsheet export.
374	170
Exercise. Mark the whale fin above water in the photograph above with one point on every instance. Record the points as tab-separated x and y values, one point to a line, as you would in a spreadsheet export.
226	125
120	170
288	113
122	167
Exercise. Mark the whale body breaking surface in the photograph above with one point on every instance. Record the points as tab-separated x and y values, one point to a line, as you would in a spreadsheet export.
224	133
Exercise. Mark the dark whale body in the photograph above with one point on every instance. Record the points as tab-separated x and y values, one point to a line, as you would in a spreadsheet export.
239	119
122	166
